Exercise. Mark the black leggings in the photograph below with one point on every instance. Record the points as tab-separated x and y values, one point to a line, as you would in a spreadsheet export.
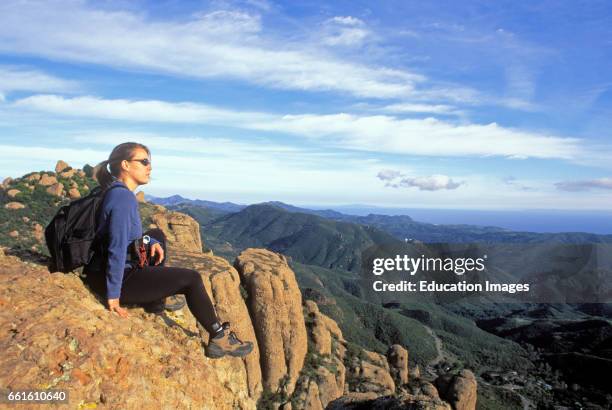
152	283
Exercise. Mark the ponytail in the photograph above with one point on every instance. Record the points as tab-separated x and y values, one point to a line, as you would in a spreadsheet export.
102	175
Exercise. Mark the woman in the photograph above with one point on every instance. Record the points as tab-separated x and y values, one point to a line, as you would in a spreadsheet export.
118	270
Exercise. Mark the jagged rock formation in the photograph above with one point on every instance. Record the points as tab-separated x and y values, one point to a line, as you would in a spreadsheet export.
323	375
57	335
179	229
459	390
275	304
60	336
397	357
369	372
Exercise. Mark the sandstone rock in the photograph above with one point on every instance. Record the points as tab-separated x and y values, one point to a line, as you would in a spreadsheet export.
222	283
12	193
33	177
86	188
7	181
397	357
140	197
369	372
13	234
46	180
60	166
14	205
68	174
25	219
81	173
182	231
416	372
329	344
60	336
39	232
30	187
459	390
323	329
56	189
74	193
275	304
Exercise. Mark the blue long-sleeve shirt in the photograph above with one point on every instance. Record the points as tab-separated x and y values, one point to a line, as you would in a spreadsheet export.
119	222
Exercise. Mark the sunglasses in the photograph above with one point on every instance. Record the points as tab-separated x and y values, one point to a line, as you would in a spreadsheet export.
144	161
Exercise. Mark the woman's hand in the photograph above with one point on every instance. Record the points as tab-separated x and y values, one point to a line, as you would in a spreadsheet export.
113	306
156	249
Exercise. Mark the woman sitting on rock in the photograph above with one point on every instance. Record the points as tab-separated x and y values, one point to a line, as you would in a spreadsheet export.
120	268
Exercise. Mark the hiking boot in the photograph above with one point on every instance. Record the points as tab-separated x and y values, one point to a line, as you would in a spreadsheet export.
175	302
226	342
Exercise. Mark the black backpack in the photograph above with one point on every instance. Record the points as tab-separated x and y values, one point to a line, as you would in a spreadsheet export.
71	234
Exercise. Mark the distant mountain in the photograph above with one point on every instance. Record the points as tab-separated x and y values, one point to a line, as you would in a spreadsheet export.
308	238
177	200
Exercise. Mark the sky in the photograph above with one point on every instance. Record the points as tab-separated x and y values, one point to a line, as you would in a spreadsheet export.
439	104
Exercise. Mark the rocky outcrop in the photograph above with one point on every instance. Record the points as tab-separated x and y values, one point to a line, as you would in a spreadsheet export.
275	304
56	189
57	335
14	205
459	390
74	193
369	372
397	357
33	177
60	166
222	283
140	197
180	229
12	193
46	180
323	376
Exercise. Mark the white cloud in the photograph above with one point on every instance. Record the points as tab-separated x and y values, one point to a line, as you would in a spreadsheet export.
421	108
376	133
13	78
344	31
430	183
396	179
585	185
221	44
388	174
148	110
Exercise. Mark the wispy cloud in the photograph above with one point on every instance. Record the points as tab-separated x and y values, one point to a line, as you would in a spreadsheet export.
376	133
440	109
14	78
585	185
344	31
221	44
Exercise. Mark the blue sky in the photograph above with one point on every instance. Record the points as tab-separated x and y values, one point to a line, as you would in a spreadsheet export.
440	104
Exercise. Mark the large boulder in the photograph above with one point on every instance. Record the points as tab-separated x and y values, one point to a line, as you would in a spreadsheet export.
222	283
47	180
14	205
60	166
369	372
328	346
12	193
181	230
56	189
59	336
74	193
397	357
33	177
459	390
275	304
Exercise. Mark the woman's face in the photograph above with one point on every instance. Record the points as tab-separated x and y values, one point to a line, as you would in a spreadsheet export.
139	172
